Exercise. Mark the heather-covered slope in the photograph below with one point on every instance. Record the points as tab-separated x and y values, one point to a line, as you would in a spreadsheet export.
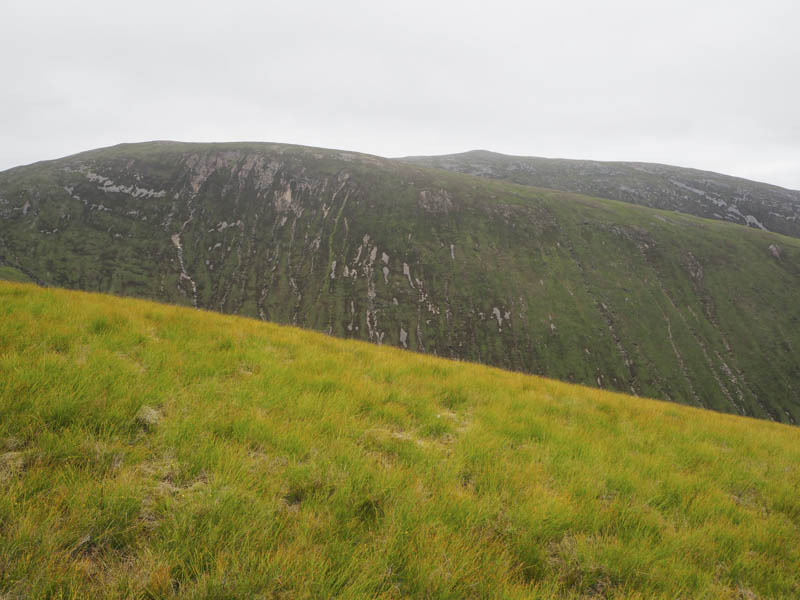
585	290
690	191
151	451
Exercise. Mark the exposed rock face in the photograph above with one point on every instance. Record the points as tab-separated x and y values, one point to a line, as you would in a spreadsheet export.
700	193
438	201
357	246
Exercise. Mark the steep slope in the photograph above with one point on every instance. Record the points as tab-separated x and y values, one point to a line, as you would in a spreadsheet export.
700	193
585	290
151	451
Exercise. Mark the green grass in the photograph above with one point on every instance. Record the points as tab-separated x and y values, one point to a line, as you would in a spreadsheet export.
288	464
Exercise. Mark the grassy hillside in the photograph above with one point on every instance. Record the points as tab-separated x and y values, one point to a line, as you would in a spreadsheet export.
12	274
580	289
690	191
152	451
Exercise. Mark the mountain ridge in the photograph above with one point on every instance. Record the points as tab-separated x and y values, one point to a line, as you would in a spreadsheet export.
485	152
692	191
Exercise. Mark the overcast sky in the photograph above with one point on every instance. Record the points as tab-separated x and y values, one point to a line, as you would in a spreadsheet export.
701	83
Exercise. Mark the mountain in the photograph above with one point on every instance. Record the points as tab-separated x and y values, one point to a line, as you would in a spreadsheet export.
699	193
152	451
586	290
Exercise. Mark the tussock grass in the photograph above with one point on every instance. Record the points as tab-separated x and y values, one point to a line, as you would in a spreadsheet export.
151	451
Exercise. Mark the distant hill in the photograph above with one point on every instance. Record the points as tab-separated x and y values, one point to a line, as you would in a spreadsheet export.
689	191
586	290
152	451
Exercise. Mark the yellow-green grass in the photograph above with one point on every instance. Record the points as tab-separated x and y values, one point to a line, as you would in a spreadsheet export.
282	463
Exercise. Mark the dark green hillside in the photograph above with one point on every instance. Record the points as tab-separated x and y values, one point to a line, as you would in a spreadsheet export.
592	291
690	191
